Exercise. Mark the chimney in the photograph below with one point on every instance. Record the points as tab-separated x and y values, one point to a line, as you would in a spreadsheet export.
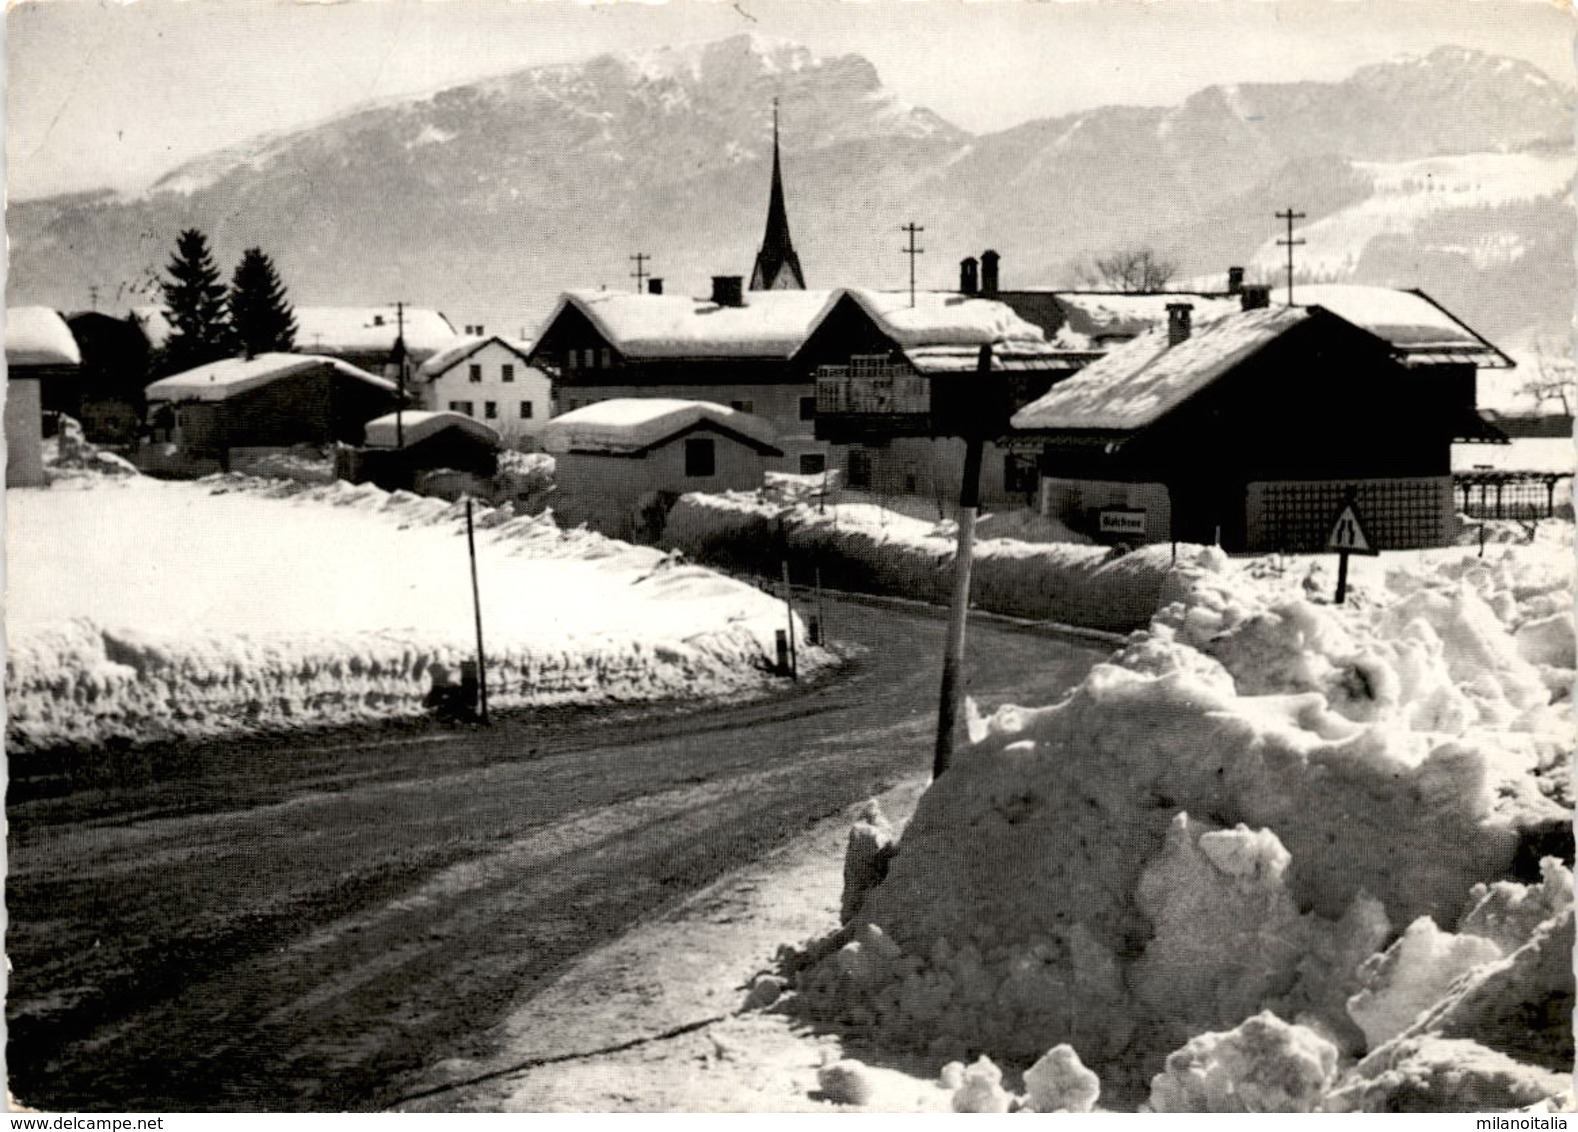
728	290
1235	280
1178	323
1256	296
969	277
654	286
989	260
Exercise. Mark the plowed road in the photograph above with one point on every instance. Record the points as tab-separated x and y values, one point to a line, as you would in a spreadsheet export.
307	925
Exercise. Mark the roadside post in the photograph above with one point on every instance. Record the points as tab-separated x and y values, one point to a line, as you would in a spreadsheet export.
1348	536
476	606
963	561
794	661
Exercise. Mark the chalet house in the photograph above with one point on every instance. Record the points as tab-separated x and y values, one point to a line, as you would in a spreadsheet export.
491	379
39	349
621	463
109	399
1251	431
904	384
365	336
228	412
397	450
734	348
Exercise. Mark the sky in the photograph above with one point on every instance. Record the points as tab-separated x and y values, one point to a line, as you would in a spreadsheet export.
111	95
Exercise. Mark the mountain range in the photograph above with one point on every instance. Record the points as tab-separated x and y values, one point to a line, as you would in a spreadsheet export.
1448	171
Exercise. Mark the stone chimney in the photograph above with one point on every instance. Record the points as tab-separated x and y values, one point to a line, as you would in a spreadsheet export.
1235	280
989	261
969	277
1178	323
728	290
654	286
1255	296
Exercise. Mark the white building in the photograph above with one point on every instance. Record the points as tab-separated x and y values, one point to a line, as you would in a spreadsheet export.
488	379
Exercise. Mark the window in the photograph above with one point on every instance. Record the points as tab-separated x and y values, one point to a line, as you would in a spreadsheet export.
743	406
467	407
590	360
808	408
812	463
1020	474
859	468
700	458
490	409
507	371
608	358
525	410
569	359
476	372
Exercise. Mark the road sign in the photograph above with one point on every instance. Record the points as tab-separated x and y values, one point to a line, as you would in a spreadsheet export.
1348	535
1122	521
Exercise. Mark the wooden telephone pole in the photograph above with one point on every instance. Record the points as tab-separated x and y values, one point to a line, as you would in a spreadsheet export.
640	274
1290	243
912	251
400	364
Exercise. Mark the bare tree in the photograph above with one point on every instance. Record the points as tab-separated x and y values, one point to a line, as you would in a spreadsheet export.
1553	374
1129	269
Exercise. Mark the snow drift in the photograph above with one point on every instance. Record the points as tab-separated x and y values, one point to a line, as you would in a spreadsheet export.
1261	803
139	610
865	548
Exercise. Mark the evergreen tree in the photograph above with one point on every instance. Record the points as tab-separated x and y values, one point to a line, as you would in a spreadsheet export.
260	316
194	302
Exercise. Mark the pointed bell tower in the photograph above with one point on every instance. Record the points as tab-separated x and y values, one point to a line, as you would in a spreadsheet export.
777	266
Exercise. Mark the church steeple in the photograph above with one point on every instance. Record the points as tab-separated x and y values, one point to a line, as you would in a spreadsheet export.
777	266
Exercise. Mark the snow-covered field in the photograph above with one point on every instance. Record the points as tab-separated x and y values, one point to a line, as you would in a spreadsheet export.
141	609
1275	855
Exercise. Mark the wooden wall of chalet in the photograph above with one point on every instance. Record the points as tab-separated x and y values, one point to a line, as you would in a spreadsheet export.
313	407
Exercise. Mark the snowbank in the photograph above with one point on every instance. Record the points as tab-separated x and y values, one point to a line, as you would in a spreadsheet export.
865	548
139	609
1241	812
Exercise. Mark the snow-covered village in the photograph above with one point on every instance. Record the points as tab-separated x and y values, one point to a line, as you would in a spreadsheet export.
797	558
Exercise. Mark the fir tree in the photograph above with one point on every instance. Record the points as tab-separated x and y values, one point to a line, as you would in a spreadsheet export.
260	315
194	302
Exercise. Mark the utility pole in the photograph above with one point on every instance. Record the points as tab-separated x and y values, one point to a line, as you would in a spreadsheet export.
640	274
912	251
958	614
1290	243
93	296
400	360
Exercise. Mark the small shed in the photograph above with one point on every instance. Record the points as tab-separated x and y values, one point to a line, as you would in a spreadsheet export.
39	349
622	462
1250	432
200	419
400	448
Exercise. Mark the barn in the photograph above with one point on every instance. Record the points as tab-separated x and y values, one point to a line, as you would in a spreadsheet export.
211	417
621	463
398	449
1250	432
39	349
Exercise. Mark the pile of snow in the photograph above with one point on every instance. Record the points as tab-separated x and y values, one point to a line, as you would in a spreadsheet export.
865	548
1260	803
69	455
141	609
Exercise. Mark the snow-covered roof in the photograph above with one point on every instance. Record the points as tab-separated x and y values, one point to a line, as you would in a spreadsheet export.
417	425
1011	357
1409	320
219	381
770	324
451	356
944	318
155	324
632	424
38	336
1142	380
1092	315
361	330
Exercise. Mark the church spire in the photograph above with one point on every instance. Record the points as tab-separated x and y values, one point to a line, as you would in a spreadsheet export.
777	266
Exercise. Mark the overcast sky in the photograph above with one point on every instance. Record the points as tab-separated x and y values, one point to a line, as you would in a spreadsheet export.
111	94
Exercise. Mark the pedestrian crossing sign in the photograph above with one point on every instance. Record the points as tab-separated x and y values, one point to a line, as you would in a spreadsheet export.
1348	535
